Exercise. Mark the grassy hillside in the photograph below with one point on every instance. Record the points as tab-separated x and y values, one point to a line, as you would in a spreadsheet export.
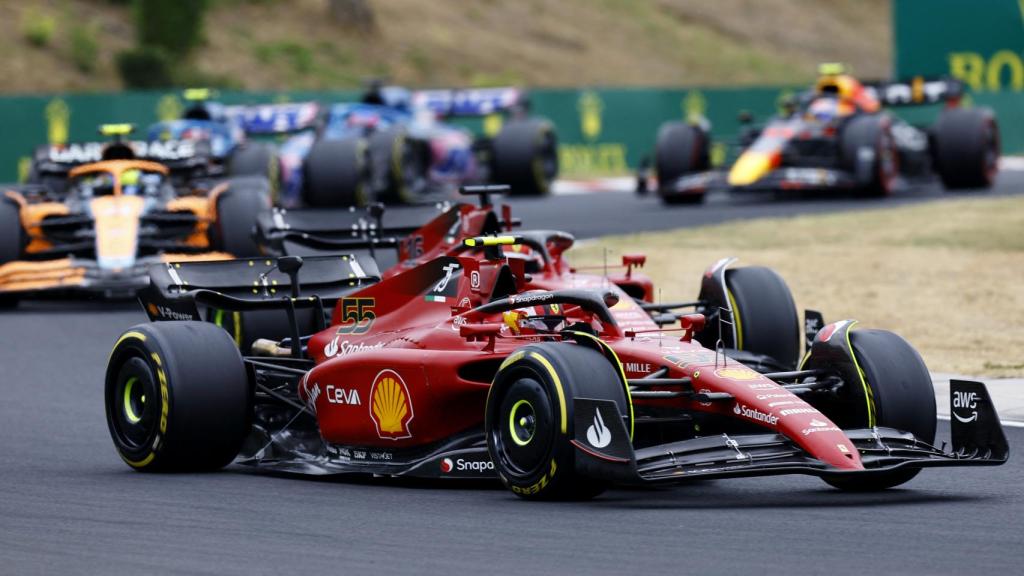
295	44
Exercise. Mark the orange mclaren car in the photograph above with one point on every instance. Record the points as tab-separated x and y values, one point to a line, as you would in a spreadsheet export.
112	220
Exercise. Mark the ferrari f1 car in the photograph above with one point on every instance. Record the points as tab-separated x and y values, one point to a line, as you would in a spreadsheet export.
837	137
399	241
98	232
455	369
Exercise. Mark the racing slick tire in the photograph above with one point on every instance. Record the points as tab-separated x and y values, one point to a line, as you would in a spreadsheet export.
335	174
529	421
237	211
524	155
896	392
680	149
764	315
12	240
966	148
398	167
875	172
177	397
257	159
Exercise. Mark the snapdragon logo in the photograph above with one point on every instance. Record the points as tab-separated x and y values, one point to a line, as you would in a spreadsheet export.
462	465
598	434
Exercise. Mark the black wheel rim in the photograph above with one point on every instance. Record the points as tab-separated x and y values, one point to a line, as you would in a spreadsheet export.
134	406
524	426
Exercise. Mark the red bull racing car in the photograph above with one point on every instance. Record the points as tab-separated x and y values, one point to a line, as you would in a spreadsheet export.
456	367
837	136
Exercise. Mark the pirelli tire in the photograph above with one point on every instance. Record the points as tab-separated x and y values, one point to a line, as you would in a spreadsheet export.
12	240
867	150
177	397
335	174
237	210
398	167
524	155
764	316
895	392
257	159
680	149
529	421
966	146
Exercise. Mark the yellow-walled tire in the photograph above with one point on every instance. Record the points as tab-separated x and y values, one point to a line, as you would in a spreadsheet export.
177	397
529	421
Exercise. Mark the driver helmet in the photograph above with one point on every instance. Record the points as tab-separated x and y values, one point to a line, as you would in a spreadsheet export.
823	110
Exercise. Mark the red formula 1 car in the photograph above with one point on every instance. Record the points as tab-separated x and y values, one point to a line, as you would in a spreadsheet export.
455	368
769	338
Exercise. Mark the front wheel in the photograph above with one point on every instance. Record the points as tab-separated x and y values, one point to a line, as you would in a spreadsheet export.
177	397
764	317
529	421
888	386
868	151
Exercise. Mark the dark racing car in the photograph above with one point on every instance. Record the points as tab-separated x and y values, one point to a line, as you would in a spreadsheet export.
837	137
399	147
455	368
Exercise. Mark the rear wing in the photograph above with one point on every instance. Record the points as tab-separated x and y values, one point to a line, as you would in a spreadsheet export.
271	119
917	91
181	290
175	154
470	102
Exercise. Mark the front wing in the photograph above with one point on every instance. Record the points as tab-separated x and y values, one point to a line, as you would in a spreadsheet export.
977	440
780	179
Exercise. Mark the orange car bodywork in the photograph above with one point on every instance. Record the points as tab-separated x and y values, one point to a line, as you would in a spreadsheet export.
116	219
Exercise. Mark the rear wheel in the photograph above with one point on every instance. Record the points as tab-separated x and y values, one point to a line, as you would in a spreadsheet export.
335	173
177	397
868	151
529	419
896	392
12	241
398	167
257	159
966	148
680	149
524	155
238	209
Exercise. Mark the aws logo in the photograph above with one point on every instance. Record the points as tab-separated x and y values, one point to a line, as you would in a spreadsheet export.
390	407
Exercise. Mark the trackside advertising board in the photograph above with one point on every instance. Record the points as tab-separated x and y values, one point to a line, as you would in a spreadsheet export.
978	41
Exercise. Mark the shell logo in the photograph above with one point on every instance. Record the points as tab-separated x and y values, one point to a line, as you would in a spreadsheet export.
390	407
737	373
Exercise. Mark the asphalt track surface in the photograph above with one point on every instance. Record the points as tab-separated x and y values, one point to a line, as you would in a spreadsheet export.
69	505
601	213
